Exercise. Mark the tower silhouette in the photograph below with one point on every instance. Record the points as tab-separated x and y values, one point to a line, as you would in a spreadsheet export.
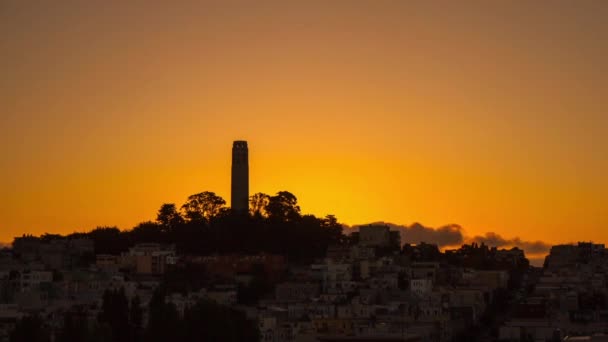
240	177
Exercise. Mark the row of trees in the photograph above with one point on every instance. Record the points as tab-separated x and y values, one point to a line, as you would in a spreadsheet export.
120	320
205	225
205	321
207	207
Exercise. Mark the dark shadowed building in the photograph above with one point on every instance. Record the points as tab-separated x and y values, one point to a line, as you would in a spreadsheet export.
240	177
229	266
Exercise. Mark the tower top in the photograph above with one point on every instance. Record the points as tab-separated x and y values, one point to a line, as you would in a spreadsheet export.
239	144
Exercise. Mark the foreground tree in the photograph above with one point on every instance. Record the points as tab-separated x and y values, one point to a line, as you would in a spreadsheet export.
163	320
208	321
115	313
30	329
74	327
136	319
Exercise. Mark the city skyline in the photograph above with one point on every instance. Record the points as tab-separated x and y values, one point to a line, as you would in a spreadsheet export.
303	171
389	112
445	237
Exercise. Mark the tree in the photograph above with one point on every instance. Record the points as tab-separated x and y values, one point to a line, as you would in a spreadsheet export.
203	206
333	229
258	204
136	319
108	240
147	232
330	221
208	321
163	319
74	327
283	207
169	217
30	329
115	313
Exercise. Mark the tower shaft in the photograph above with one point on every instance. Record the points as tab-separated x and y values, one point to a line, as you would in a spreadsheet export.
240	177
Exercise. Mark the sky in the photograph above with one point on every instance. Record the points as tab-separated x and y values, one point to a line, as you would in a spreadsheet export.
492	115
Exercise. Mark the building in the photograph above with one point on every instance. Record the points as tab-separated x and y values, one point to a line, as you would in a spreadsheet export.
30	279
150	258
230	266
378	236
296	291
421	287
240	177
107	262
9	315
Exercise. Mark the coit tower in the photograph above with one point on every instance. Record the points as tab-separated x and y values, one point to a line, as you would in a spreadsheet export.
240	177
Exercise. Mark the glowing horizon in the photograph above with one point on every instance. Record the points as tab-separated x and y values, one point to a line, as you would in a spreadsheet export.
490	116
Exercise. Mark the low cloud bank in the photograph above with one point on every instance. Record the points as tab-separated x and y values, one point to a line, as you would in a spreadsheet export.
448	235
494	239
452	235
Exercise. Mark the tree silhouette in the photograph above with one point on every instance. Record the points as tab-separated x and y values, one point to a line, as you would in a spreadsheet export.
208	321
258	203
333	229
283	207
203	206
163	319
108	240
115	313
136	319
168	217
30	329
74	327
147	232
275	226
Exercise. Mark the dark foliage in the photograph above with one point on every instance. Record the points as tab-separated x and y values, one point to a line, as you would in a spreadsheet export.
185	278
164	323
206	226
205	321
169	218
30	329
123	320
75	327
251	293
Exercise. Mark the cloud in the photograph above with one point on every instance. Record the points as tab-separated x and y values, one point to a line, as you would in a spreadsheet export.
453	235
448	235
530	247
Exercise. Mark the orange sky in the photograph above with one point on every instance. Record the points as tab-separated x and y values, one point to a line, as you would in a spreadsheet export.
490	115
